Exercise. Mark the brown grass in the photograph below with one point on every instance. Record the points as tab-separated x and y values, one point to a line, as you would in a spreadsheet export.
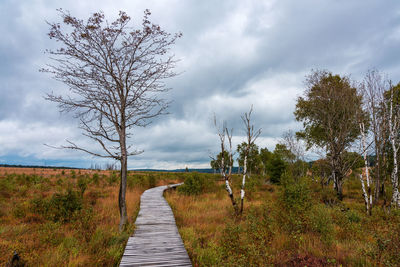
268	233
89	238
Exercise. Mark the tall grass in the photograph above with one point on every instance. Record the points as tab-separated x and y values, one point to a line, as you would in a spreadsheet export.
68	217
297	223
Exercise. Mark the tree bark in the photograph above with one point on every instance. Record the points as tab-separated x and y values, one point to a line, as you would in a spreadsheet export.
338	185
393	128
122	187
226	178
242	192
367	195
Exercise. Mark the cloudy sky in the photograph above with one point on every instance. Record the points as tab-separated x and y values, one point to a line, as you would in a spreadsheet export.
233	54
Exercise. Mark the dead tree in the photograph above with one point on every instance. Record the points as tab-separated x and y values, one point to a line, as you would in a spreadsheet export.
115	75
223	133
373	89
251	136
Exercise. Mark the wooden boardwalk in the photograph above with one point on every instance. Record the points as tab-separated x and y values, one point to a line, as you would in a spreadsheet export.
156	241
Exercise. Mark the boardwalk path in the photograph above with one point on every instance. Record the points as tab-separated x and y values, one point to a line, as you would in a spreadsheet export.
156	241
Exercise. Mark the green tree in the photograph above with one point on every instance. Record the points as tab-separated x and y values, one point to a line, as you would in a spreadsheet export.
284	153
276	166
254	163
354	159
265	157
330	111
216	162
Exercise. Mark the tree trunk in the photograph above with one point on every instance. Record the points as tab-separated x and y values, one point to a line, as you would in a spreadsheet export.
367	195
242	193
230	192
366	202
395	179
338	182
378	174
122	187
393	128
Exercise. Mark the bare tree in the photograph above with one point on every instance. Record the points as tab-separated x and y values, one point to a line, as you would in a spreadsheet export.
373	89
223	133
251	136
115	75
293	144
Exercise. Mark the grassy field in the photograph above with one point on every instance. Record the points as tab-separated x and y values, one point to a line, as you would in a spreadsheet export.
298	223
70	218
55	217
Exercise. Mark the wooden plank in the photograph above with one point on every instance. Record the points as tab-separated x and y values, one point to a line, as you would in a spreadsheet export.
156	241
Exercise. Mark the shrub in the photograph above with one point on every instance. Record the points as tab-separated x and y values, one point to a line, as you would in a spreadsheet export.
95	178
328	196
151	180
84	222
252	183
353	216
60	207
7	186
296	196
295	199
112	178
82	184
137	180
321	222
275	168
193	185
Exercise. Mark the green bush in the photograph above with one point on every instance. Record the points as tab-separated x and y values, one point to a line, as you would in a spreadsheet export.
295	200
137	180
275	168
247	243
152	180
82	184
320	222
296	196
112	178
60	207
353	216
7	186
196	183
252	183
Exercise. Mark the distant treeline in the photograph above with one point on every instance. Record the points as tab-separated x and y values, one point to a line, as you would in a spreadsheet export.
34	166
209	170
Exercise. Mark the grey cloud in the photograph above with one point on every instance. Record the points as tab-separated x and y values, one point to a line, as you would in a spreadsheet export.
234	54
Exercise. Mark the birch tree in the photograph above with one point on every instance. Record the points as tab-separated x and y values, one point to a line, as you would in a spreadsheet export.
115	75
394	123
366	192
373	89
251	136
223	134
